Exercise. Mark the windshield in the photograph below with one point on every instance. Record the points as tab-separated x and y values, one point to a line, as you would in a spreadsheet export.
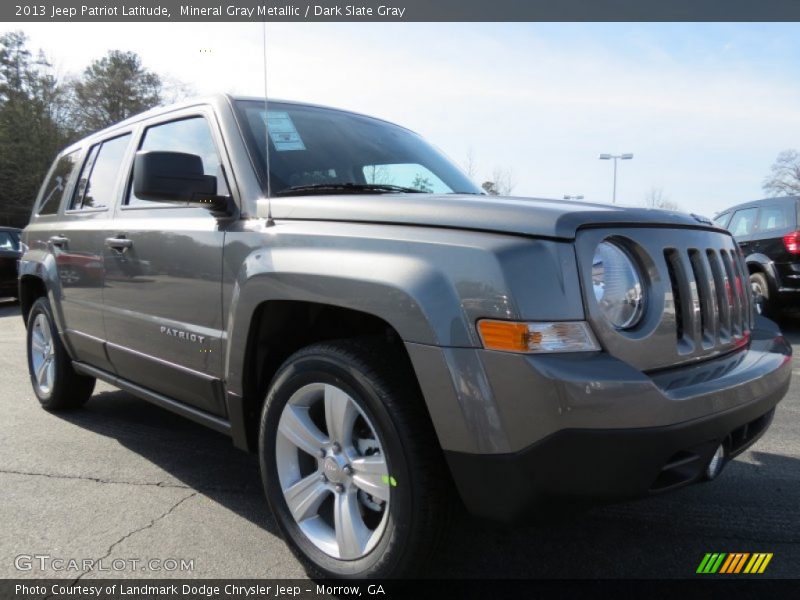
326	151
9	241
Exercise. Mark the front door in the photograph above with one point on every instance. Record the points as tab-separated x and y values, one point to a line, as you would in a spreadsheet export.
163	307
743	228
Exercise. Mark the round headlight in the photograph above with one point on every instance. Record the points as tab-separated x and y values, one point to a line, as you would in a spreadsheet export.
618	287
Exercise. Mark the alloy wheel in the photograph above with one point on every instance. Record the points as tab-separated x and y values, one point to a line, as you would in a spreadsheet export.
333	471
43	354
758	296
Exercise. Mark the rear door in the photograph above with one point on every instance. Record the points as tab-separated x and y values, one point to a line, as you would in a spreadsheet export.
774	221
77	243
163	296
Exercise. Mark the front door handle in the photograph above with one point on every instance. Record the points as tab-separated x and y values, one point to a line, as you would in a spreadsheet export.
59	240
119	243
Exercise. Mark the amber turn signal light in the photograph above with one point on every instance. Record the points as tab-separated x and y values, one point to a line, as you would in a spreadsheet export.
513	336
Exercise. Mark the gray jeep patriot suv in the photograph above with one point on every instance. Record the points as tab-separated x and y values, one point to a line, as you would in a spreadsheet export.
334	294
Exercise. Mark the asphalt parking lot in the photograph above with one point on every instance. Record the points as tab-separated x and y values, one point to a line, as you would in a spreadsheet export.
122	479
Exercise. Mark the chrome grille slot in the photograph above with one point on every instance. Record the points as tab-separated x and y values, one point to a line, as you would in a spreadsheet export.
709	318
748	306
680	298
735	294
720	282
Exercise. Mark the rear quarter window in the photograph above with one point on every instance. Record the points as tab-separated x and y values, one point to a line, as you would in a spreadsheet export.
9	241
55	186
776	219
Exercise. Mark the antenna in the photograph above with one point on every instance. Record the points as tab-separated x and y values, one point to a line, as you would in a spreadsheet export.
266	125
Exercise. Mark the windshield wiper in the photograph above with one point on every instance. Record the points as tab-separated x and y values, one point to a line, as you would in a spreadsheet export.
347	188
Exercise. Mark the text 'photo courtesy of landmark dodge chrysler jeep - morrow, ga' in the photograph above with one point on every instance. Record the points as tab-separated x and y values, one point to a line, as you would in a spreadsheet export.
334	294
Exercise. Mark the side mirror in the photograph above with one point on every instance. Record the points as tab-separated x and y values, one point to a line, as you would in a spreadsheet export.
175	177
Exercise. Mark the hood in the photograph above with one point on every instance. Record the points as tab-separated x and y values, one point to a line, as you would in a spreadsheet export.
522	216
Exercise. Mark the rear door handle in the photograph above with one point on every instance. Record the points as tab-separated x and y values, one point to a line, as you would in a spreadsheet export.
119	243
59	240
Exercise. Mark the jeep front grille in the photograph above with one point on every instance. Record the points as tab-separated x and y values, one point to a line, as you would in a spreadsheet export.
710	296
698	301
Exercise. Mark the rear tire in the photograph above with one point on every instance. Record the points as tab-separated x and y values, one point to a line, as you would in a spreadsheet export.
760	286
56	384
375	487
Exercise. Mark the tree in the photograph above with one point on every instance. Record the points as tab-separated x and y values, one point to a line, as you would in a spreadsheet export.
470	166
784	178
32	126
114	88
502	182
40	115
378	174
655	198
422	184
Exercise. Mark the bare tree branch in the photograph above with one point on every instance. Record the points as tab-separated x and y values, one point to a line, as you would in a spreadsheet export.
784	178
470	165
655	198
502	182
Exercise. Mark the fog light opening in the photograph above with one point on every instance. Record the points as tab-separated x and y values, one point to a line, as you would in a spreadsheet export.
716	463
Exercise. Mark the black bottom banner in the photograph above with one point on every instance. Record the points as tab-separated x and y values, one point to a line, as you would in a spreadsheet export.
285	589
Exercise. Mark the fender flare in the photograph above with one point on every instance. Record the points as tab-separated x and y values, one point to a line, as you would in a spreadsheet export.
42	266
409	294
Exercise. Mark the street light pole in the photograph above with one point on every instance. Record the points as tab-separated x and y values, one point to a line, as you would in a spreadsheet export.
614	193
615	157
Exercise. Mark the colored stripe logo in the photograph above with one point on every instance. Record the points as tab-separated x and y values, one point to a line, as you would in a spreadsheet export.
734	563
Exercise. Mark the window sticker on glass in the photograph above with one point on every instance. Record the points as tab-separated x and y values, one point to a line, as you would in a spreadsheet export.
283	133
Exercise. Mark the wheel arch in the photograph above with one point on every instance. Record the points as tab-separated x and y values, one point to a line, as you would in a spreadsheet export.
760	263
31	288
277	329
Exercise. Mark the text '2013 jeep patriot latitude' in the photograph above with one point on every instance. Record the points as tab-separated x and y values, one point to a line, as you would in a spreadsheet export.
331	292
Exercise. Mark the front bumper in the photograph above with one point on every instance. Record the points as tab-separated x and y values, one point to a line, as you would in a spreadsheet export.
584	458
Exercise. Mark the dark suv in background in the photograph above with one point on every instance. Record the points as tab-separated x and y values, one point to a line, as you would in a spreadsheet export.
10	254
768	234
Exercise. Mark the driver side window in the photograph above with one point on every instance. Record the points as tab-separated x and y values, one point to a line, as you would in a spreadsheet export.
191	136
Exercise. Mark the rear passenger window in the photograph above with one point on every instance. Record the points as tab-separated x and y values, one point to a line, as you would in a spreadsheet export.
99	174
55	187
774	218
743	222
191	136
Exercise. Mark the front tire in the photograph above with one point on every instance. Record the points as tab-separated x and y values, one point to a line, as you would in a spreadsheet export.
56	384
350	462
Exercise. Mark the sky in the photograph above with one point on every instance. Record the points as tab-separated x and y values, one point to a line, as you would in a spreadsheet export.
704	108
